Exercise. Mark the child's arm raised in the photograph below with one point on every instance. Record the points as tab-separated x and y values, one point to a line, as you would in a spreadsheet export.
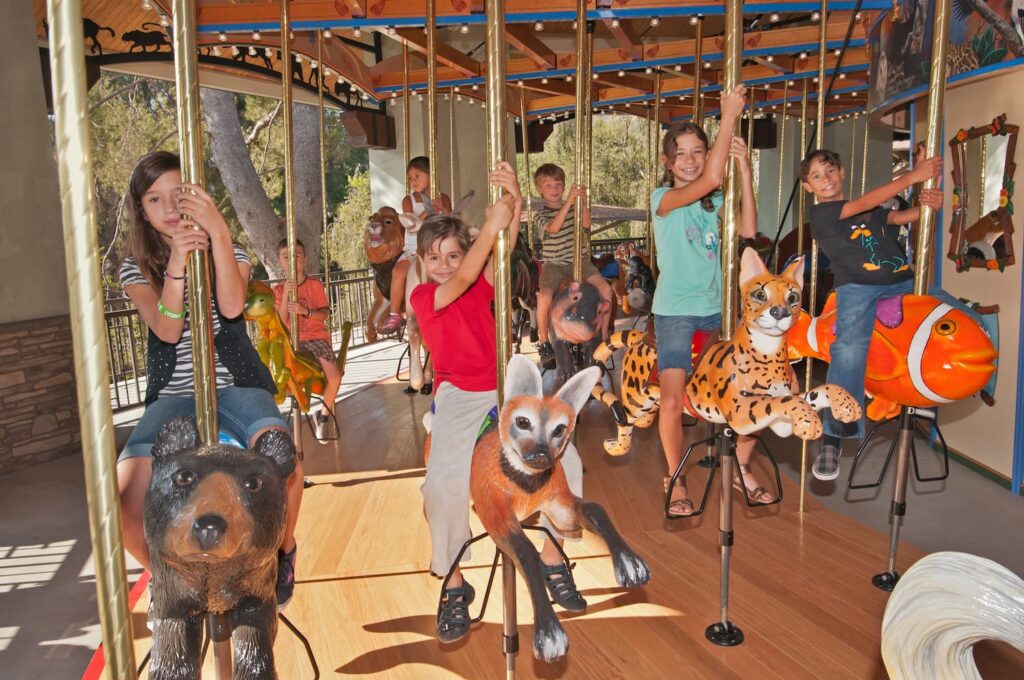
504	176
748	209
714	166
498	216
558	220
924	170
232	277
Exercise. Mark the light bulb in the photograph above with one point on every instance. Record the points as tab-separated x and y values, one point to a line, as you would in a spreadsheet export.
694	20
773	17
655	21
539	26
327	34
464	28
222	36
357	31
256	35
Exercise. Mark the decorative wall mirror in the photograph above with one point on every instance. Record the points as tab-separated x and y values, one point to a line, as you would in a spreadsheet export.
982	220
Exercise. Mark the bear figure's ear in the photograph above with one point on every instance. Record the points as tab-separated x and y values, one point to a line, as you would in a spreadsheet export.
176	435
277	446
522	377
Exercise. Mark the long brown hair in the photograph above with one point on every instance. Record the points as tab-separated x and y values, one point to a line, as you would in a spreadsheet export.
669	149
144	243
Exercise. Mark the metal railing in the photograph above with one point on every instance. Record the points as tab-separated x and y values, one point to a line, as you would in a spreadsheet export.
350	295
609	245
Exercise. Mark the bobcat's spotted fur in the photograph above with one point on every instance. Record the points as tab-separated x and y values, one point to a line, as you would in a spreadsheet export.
747	382
638	404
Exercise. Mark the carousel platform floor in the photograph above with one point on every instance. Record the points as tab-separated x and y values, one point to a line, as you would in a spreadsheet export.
365	601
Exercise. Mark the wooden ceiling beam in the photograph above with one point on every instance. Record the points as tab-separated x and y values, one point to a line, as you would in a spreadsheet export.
630	46
446	54
526	41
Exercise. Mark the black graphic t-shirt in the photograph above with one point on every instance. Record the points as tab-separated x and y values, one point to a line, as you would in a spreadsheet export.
862	248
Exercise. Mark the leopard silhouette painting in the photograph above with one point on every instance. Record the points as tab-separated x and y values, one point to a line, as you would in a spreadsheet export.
214	518
747	382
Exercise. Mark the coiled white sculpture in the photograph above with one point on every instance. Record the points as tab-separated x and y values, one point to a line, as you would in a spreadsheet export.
941	607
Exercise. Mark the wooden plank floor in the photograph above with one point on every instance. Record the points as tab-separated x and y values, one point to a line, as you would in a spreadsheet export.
800	584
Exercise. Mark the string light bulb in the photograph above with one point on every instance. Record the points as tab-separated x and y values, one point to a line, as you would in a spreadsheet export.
464	28
165	20
770	58
655	21
615	22
147	5
327	34
815	16
694	19
774	17
539	26
252	51
222	36
257	36
357	32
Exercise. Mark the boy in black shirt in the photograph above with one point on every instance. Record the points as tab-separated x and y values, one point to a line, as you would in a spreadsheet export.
860	240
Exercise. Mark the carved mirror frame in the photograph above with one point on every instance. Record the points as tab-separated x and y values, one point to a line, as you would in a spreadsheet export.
999	220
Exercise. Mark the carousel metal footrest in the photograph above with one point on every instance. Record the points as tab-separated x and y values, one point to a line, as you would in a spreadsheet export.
916	416
494	568
714	465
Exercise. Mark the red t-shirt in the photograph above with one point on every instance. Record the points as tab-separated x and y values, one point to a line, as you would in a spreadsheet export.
310	294
460	336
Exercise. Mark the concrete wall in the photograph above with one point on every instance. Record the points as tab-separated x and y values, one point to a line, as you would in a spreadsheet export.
985	434
387	168
32	279
38	412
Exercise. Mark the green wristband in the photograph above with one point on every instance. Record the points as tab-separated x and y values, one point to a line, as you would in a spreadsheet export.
168	313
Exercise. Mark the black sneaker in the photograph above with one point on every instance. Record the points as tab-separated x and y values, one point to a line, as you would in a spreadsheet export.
285	577
826	463
547	355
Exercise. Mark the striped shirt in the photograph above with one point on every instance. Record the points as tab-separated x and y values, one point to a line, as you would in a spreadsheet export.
556	247
182	382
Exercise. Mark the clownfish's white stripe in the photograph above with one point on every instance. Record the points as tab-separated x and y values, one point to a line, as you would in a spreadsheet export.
916	353
812	334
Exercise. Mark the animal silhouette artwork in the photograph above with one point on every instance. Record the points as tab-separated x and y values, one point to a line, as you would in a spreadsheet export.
143	40
214	517
516	471
297	373
747	382
923	352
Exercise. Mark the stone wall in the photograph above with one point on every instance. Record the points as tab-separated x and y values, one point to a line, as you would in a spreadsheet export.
38	404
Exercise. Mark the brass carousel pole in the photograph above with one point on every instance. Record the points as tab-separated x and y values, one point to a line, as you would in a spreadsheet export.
750	124
435	188
583	83
497	146
723	632
922	275
321	78
528	184
200	280
289	193
698	68
649	226
451	143
800	233
88	331
782	158
853	152
864	160
654	156
405	114
819	142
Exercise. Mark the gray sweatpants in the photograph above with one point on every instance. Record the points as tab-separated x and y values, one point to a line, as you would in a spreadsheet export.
457	418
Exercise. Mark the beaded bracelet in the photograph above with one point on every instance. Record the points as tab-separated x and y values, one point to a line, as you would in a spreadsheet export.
168	275
168	313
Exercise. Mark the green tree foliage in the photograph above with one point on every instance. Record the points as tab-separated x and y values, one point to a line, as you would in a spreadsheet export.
345	233
131	116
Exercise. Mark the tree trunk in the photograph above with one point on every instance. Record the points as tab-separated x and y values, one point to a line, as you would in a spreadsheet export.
1005	28
256	214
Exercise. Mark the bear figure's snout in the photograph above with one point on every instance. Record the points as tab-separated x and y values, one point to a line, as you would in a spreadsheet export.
209	531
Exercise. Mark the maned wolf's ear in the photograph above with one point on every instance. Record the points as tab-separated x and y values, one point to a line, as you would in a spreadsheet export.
410	222
522	377
795	272
750	266
462	203
176	435
576	389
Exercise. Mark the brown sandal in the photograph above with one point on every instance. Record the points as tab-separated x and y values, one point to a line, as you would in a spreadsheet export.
759	494
682	507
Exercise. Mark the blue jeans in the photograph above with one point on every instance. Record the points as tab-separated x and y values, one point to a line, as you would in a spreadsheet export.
675	338
855	319
241	412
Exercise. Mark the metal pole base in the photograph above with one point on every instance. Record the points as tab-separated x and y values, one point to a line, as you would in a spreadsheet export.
724	634
885	581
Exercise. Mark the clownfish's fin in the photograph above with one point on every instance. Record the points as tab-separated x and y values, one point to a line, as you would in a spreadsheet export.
884	361
881	408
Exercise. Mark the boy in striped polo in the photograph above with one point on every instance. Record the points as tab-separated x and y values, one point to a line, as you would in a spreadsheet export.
556	221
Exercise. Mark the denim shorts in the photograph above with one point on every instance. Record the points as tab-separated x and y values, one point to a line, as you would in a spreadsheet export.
241	413
675	338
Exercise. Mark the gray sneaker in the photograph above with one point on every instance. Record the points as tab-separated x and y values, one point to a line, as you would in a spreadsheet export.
826	463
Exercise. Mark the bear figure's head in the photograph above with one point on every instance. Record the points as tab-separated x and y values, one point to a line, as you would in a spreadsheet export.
210	505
